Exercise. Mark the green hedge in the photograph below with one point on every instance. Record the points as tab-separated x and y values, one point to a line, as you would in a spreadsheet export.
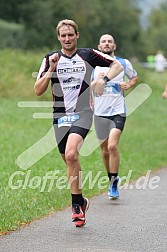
11	35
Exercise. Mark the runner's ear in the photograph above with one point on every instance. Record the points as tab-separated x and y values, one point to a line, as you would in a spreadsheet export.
99	47
78	35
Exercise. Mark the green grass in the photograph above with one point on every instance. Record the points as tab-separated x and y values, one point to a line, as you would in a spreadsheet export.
16	72
143	144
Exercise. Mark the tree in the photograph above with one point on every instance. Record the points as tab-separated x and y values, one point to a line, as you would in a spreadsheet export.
157	29
10	10
94	18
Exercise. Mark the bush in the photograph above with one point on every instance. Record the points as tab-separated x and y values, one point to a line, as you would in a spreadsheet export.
11	35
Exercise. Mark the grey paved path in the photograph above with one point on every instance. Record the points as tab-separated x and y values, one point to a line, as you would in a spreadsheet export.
135	222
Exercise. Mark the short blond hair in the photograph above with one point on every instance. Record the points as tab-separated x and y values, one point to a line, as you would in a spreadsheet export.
67	22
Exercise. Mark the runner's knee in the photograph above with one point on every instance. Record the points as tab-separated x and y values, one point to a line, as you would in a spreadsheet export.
71	157
105	153
112	148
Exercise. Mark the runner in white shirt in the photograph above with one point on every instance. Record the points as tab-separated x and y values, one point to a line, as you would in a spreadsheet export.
110	111
160	62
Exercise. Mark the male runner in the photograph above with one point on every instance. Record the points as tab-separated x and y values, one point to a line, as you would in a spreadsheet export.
69	70
110	111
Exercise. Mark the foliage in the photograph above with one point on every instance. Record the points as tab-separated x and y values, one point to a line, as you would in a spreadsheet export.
10	10
11	35
157	30
38	20
94	18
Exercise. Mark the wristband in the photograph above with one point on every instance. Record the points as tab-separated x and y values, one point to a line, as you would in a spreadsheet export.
106	79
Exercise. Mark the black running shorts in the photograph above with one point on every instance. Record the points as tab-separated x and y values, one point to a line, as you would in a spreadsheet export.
80	127
103	124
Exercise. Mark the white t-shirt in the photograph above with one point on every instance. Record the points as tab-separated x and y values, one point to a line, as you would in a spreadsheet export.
160	62
112	102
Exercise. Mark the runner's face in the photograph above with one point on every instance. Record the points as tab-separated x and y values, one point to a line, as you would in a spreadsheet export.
68	38
107	44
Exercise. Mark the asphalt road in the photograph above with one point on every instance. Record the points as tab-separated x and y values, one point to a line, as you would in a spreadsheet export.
135	222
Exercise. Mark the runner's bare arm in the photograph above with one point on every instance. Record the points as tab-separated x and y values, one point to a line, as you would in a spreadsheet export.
114	70
41	84
128	84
